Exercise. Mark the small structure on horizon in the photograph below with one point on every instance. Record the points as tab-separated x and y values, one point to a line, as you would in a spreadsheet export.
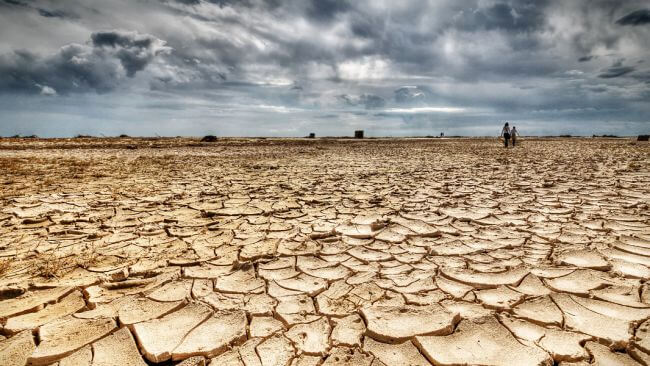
358	134
643	138
442	134
311	135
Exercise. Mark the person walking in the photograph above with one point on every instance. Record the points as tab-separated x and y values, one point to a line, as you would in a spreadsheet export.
513	135
505	132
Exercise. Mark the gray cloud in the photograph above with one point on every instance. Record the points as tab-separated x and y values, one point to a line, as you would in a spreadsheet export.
616	70
135	51
638	17
644	77
98	67
346	100
271	66
56	14
14	2
517	16
410	95
368	101
326	9
47	13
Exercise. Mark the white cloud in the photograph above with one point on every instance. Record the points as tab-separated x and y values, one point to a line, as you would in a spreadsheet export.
46	90
369	67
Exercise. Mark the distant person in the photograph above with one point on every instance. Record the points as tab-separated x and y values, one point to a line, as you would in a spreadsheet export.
505	132
513	135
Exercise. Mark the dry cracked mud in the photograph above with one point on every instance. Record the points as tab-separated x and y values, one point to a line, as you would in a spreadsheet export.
324	252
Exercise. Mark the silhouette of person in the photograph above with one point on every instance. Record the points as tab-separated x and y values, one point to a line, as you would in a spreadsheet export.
505	132
513	135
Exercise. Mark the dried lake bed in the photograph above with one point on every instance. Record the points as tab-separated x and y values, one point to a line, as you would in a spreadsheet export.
324	252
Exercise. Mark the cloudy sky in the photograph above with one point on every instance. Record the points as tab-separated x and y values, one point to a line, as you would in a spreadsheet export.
290	67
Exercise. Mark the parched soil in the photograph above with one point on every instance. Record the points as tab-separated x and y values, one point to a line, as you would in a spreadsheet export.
324	252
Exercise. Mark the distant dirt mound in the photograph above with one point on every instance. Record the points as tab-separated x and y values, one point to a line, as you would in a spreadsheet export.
209	138
643	138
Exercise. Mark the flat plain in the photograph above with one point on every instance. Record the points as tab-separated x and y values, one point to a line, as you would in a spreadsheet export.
324	252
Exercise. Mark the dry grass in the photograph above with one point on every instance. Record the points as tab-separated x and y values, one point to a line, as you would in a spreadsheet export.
87	258
4	266
50	269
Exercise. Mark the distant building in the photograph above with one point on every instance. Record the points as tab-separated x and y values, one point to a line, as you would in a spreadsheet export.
358	134
311	135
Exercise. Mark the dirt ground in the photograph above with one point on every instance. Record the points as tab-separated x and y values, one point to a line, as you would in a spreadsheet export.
334	252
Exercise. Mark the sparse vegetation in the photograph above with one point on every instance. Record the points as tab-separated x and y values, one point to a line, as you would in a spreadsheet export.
209	138
87	258
18	136
51	266
4	266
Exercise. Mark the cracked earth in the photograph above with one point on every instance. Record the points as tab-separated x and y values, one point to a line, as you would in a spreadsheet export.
324	252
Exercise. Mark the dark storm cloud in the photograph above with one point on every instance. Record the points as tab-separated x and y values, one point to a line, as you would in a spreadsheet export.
367	27
13	2
513	16
616	70
638	17
56	14
188	2
233	3
135	51
326	9
402	37
73	68
47	13
80	68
